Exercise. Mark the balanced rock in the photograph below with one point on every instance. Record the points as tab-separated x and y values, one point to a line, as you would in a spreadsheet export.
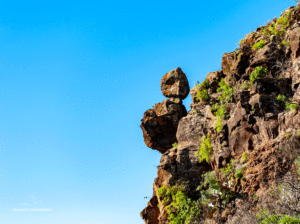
159	125
175	84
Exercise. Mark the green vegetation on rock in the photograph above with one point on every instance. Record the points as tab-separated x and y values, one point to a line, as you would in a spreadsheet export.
202	91
174	144
265	217
180	208
244	157
280	98
291	106
284	42
219	109
205	149
239	173
258	45
258	72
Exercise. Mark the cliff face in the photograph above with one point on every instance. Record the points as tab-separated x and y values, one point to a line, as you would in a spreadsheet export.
236	151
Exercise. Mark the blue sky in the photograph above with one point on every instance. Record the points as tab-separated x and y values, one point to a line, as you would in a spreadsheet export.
75	80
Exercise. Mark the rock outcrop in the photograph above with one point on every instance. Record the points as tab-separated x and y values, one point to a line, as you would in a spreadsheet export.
160	124
237	150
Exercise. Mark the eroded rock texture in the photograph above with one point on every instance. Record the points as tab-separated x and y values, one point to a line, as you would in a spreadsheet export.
258	130
175	84
159	125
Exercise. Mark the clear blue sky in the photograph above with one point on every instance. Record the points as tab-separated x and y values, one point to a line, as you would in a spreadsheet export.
75	80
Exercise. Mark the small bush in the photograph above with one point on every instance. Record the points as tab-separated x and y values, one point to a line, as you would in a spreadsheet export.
258	45
283	21
229	168
180	208
291	106
280	98
174	144
226	90
238	173
288	135
265	218
202	91
244	157
218	125
285	43
208	187
205	149
258	72
298	132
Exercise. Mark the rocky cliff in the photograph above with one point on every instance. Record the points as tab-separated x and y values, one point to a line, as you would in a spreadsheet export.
234	157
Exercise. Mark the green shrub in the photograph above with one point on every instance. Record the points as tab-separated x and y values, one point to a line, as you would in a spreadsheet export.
265	218
258	45
238	173
180	208
283	21
239	55
210	189
289	13
284	42
202	91
229	168
208	186
205	149
202	94
243	179
258	72
174	144
226	94
298	132
288	135
280	98
291	106
226	90
271	29
244	157
218	125
220	111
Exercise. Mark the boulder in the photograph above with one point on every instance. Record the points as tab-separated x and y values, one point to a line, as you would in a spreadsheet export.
159	125
175	84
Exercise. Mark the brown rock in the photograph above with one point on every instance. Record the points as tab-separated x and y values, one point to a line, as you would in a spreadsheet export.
294	39
267	54
243	61
227	62
296	73
151	212
175	84
159	125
